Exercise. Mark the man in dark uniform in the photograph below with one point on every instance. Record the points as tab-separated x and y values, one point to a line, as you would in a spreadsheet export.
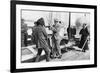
40	38
84	34
71	32
25	38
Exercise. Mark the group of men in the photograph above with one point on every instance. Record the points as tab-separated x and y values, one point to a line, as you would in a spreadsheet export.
40	37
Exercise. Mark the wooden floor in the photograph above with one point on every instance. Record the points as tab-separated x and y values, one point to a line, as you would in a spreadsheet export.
69	55
72	56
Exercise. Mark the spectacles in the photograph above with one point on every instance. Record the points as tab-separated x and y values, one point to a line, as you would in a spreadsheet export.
58	21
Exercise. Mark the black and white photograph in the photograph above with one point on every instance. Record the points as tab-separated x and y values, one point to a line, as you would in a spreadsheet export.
48	36
54	36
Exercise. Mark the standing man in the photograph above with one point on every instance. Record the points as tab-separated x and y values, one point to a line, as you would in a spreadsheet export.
84	36
56	51
40	38
73	31
25	38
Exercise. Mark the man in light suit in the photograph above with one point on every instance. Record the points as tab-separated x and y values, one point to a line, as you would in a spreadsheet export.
56	51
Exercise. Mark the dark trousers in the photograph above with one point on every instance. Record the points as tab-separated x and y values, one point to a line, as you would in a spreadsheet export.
47	54
82	42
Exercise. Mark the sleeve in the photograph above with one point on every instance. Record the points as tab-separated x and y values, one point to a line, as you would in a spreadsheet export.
44	32
53	29
81	31
87	31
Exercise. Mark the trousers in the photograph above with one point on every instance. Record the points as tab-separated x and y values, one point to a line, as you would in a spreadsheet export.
47	54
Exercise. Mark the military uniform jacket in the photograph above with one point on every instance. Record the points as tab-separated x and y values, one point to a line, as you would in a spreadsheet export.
40	36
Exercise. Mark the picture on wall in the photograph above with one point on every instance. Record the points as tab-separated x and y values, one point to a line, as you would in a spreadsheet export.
52	36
